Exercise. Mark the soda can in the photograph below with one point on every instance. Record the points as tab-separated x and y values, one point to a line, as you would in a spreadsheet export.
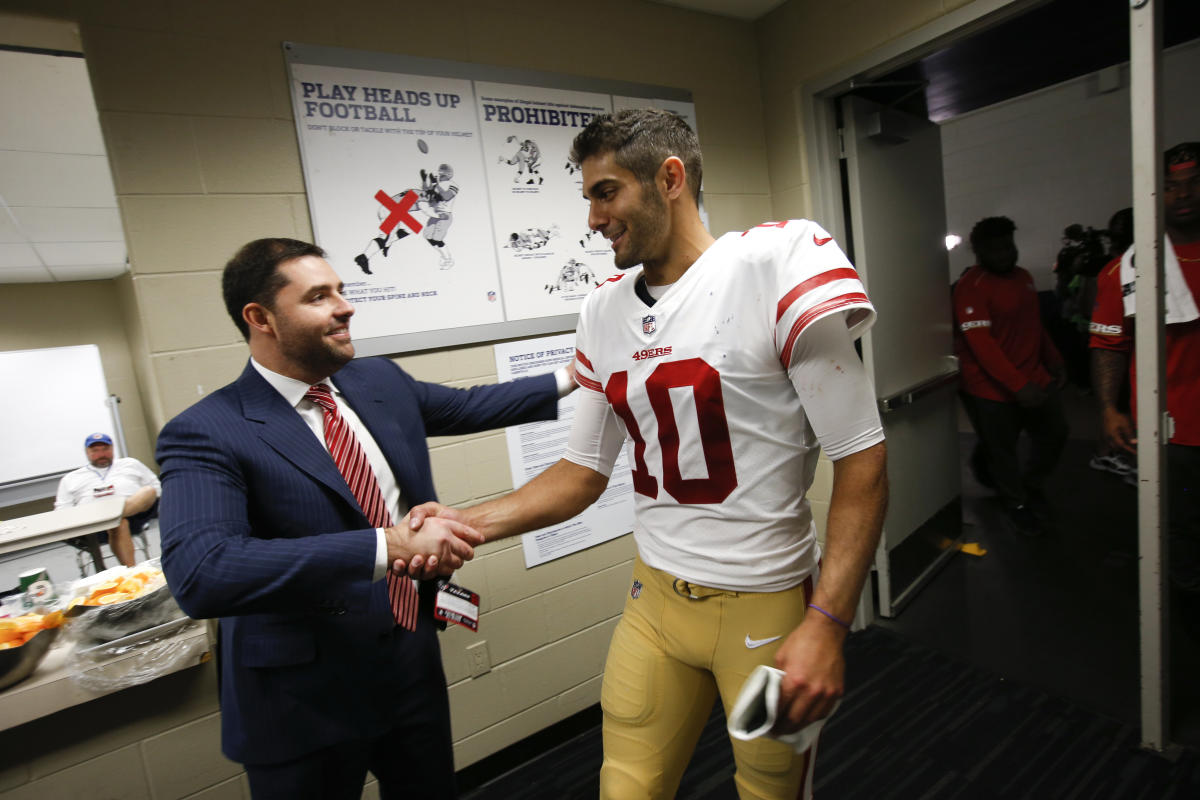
36	588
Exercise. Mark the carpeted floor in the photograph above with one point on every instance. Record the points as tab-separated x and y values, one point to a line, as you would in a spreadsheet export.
1014	675
916	725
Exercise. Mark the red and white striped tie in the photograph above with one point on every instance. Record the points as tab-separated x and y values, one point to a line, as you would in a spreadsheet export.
352	462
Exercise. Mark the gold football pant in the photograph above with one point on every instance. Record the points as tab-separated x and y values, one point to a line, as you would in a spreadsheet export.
678	645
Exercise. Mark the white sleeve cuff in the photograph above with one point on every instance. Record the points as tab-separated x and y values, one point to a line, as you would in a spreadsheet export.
565	384
381	562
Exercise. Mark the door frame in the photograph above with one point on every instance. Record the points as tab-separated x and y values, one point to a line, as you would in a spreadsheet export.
816	99
815	103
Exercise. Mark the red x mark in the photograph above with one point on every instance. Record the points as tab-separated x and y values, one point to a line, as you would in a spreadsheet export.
398	212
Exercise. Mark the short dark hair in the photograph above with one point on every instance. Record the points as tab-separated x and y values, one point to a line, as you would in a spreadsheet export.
991	228
1181	153
641	139
252	275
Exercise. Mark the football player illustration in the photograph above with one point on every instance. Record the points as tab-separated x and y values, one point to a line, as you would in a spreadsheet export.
586	240
437	196
527	160
434	199
725	365
531	238
572	275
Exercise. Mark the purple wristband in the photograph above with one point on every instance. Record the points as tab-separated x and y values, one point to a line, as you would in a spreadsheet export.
841	622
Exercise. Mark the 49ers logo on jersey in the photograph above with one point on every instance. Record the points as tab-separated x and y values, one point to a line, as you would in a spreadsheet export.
651	352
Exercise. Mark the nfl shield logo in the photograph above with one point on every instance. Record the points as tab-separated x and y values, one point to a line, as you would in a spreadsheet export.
491	297
636	591
648	324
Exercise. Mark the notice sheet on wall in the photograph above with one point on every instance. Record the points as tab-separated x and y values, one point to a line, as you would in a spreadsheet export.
535	446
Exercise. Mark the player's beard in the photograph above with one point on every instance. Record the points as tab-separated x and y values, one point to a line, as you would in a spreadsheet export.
645	227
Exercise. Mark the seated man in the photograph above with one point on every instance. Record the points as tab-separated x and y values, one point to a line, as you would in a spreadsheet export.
105	476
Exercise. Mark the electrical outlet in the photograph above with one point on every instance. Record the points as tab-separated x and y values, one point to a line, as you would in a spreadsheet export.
478	660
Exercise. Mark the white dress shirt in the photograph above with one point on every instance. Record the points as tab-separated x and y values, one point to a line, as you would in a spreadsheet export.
293	392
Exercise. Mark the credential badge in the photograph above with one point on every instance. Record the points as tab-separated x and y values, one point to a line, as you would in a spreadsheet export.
648	324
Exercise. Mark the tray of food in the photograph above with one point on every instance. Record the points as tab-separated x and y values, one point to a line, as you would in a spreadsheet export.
24	642
122	602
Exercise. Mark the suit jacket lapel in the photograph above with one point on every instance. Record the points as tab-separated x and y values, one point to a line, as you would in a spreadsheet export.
372	408
284	431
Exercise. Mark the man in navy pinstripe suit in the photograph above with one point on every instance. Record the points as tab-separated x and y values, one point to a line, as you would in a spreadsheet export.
318	684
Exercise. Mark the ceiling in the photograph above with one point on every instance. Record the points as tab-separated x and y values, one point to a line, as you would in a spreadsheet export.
748	10
1046	45
58	211
59	219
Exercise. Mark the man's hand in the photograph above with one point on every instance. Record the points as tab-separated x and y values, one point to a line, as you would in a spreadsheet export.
1031	395
420	565
1117	429
438	548
814	672
571	374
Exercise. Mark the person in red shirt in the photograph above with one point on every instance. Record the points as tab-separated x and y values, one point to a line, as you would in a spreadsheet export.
1111	345
1011	371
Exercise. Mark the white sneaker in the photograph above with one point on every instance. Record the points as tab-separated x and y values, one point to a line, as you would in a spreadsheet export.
1114	463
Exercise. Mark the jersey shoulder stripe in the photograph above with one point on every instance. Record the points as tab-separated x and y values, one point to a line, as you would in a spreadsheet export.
811	315
806	286
586	381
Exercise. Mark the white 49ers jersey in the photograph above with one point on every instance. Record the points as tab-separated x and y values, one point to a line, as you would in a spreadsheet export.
722	452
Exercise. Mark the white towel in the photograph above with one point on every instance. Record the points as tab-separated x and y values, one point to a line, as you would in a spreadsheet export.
1177	297
753	714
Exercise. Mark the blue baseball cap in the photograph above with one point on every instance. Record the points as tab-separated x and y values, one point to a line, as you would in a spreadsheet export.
97	438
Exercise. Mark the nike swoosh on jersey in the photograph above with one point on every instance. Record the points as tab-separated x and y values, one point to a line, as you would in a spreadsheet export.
819	242
753	643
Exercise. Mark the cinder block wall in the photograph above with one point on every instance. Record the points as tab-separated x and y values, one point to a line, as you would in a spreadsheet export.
1034	158
195	111
800	41
194	106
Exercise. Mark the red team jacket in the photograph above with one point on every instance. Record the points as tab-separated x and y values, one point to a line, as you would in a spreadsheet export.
1111	331
999	339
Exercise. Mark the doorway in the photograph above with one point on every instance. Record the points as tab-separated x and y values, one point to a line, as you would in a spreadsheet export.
1072	602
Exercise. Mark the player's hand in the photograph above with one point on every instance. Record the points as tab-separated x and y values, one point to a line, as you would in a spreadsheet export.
1031	395
1117	429
814	673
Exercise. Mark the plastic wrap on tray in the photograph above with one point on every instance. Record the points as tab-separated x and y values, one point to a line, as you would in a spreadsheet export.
120	602
137	658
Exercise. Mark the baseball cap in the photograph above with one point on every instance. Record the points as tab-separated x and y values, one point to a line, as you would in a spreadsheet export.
97	438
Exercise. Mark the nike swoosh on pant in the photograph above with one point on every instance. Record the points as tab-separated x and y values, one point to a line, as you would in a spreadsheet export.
753	643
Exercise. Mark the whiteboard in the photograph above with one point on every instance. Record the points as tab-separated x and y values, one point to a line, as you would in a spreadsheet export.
58	396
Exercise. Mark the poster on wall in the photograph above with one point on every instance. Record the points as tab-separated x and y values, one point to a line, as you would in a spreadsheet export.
534	447
443	194
549	259
398	193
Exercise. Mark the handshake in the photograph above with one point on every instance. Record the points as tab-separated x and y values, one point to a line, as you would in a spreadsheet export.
431	541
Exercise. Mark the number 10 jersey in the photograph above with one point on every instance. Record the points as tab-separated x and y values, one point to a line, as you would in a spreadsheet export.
722	452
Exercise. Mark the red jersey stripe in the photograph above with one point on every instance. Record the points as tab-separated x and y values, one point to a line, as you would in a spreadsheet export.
584	360
588	383
809	316
804	287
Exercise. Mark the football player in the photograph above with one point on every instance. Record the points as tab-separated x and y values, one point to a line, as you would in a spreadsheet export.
437	196
527	159
727	364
